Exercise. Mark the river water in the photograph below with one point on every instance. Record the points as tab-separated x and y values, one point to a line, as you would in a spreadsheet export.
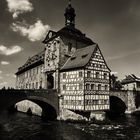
20	126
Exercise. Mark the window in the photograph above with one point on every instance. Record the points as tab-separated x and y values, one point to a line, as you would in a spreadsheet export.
64	75
88	74
29	86
33	71
83	56
105	75
80	86
99	87
26	86
69	47
29	73
80	74
40	87
106	102
64	87
87	86
37	70
92	87
36	85
72	58
97	74
106	87
95	102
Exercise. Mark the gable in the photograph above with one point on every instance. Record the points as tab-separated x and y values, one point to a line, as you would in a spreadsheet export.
97	61
50	35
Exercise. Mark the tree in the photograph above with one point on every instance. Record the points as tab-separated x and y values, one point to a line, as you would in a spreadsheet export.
114	83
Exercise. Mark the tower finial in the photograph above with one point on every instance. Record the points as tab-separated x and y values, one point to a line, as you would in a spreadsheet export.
69	2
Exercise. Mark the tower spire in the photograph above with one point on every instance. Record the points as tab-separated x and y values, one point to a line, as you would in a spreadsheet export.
69	2
70	15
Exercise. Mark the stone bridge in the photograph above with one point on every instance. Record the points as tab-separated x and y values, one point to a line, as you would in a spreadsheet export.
46	99
124	101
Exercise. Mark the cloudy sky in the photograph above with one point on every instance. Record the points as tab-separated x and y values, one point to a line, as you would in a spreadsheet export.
113	24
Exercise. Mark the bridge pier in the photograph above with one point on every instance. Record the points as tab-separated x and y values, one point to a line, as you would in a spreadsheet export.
131	102
128	98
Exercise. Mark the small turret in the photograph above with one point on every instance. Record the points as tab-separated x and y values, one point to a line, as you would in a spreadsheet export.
70	15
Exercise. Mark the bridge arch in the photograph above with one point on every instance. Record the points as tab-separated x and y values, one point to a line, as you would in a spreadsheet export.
117	105
49	111
46	100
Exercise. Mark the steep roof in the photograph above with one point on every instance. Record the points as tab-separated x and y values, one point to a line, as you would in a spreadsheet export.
71	32
32	62
130	79
80	58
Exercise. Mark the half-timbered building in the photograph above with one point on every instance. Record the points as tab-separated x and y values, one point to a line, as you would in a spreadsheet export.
85	80
72	64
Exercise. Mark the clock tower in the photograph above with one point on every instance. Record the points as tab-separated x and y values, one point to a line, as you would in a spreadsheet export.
60	46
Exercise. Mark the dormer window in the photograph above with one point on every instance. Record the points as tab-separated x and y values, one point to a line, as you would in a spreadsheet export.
83	56
69	47
72	58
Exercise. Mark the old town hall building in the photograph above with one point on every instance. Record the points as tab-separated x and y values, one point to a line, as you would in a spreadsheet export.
72	64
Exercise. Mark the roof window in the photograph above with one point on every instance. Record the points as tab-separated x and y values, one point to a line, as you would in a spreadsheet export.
83	56
72	58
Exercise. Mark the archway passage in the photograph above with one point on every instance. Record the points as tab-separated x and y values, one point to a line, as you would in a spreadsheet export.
50	81
117	106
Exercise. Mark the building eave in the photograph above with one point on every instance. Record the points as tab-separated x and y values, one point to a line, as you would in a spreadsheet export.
33	65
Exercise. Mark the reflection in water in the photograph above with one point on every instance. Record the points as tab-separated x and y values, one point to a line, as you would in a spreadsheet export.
19	126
